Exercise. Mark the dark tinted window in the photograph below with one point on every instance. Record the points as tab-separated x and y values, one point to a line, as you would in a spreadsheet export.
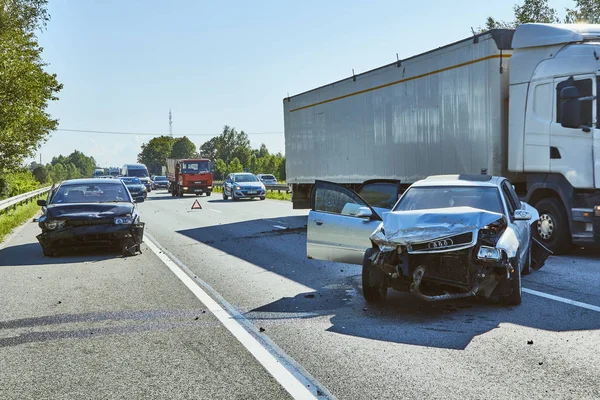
141	172
336	199
422	198
585	89
382	195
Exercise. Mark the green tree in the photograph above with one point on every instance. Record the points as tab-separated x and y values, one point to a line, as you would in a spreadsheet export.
183	148
40	173
529	11
25	87
235	166
83	163
155	153
72	172
281	171
58	173
220	169
587	11
209	149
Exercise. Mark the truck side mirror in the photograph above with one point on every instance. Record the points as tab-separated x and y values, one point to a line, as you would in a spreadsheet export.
570	108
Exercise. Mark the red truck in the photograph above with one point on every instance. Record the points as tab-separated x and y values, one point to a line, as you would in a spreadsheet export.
190	175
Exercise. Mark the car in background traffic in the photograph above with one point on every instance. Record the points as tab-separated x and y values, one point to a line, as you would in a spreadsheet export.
243	185
135	186
90	213
160	182
447	237
267	179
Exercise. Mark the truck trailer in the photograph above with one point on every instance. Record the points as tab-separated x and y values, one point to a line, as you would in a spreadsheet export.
189	176
515	103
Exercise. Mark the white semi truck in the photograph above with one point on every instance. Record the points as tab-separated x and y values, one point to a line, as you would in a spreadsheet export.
516	103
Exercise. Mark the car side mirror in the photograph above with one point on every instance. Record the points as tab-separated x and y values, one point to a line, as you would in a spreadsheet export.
522	215
42	203
139	199
364	212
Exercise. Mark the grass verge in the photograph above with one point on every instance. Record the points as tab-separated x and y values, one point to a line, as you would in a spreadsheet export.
270	195
14	218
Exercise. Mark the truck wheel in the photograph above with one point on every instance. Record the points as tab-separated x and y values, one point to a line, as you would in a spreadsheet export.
514	298
372	294
208	194
552	229
180	190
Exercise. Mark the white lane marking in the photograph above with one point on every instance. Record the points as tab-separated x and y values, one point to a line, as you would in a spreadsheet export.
212	209
562	300
280	227
285	378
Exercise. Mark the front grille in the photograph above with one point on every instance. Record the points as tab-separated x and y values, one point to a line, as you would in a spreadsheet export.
88	222
444	244
449	266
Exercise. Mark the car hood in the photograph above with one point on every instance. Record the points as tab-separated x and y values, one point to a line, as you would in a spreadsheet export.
88	210
257	185
411	227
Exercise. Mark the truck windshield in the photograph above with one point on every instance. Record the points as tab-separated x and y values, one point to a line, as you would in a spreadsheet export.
141	172
195	167
422	198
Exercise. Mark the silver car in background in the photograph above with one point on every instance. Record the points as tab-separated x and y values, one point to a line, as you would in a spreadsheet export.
447	237
267	179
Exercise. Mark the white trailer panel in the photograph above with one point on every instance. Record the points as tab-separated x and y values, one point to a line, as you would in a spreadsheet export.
445	111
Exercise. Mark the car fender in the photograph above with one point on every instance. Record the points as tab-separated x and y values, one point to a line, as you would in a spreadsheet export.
509	242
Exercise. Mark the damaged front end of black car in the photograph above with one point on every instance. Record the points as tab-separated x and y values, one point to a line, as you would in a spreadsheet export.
88	226
449	254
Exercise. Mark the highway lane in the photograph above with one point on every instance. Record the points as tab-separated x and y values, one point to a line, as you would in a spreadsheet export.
253	254
314	311
102	326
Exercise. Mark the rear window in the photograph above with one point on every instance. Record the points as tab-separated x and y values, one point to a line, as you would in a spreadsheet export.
267	177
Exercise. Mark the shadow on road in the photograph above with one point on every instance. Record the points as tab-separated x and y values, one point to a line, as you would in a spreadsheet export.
31	254
402	319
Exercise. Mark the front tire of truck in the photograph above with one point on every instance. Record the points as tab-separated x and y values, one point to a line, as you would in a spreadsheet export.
208	194
372	294
552	229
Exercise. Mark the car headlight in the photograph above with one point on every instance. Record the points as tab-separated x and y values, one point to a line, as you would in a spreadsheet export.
238	187
123	220
52	225
489	253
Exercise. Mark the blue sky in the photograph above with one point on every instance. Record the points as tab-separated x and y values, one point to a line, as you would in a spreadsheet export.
124	64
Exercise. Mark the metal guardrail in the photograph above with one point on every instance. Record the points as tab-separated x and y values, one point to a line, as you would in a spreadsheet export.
22	198
273	188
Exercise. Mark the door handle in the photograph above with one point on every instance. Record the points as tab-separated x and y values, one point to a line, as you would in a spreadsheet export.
319	222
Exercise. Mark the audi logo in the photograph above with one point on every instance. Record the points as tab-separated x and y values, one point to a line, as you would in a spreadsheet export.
440	244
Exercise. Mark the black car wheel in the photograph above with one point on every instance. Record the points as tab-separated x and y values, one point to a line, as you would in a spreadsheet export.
527	266
48	252
372	294
233	196
262	197
514	285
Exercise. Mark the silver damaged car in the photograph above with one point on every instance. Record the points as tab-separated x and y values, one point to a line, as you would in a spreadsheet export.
446	237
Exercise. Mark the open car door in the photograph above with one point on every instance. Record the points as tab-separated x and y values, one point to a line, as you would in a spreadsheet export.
341	221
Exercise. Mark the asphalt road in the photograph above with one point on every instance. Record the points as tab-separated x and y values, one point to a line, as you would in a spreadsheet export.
102	326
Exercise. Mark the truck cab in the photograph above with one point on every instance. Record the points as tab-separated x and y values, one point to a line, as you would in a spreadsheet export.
189	176
554	135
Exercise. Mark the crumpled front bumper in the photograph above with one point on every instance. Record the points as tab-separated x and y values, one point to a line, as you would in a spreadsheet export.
92	236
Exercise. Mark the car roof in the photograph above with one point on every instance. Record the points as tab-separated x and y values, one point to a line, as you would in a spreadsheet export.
242	173
88	181
460	180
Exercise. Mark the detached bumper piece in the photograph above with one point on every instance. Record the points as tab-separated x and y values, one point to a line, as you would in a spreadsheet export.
127	237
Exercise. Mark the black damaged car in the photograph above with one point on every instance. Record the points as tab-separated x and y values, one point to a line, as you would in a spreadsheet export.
90	213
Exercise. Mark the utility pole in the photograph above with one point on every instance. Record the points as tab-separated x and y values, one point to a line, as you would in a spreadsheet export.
170	123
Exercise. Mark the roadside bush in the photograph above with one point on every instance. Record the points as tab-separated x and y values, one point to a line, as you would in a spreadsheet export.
15	183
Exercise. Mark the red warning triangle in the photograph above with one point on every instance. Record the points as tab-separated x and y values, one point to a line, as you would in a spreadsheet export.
196	205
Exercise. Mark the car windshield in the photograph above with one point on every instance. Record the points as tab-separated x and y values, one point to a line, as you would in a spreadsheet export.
108	192
245	178
160	178
140	172
132	181
195	167
422	198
